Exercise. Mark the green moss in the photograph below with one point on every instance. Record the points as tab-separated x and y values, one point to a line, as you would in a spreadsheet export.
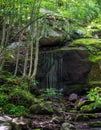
82	117
87	108
3	99
44	107
21	97
87	41
95	74
94	124
92	45
15	110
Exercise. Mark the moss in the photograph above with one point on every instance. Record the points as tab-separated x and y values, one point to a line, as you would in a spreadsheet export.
3	99
83	103
92	116
95	73
21	97
87	108
92	45
42	108
15	110
94	124
82	117
87	41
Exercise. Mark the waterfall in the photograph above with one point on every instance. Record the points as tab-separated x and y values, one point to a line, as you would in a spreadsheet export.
51	70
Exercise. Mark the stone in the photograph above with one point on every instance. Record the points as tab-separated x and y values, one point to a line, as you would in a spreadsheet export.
19	123
42	108
64	67
67	126
90	108
57	120
5	126
73	97
87	108
95	124
95	74
51	42
84	102
5	118
81	117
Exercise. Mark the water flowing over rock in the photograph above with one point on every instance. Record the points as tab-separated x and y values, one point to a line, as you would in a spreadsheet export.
62	67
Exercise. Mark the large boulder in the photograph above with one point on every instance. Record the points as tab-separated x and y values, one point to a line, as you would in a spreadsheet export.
63	67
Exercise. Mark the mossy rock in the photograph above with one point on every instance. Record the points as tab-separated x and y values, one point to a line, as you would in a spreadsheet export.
57	119
95	124
92	45
95	73
92	116
82	117
87	41
42	108
90	108
87	108
21	97
83	103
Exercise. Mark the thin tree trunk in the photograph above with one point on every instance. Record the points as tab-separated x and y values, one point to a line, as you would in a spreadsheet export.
31	59
36	60
17	59
25	63
4	32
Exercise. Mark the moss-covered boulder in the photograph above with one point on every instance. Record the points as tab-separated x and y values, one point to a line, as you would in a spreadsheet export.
81	117
90	108
87	108
21	97
42	108
95	74
94	124
83	103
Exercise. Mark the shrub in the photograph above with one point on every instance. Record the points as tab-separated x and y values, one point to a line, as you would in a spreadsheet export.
16	110
95	95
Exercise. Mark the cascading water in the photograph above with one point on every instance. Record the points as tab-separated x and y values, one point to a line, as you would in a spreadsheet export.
51	68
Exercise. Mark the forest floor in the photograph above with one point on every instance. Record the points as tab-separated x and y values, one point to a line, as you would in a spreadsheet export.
72	119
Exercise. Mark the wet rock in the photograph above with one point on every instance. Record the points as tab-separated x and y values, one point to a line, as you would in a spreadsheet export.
5	122
84	102
87	108
67	126
73	97
70	106
82	117
95	75
20	124
90	108
5	118
76	34
5	126
95	124
57	120
51	42
42	108
64	68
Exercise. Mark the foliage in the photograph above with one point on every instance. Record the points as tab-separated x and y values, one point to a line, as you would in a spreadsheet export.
15	110
49	92
95	95
21	97
22	21
3	99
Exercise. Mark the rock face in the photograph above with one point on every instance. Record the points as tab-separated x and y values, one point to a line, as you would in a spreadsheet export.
95	73
63	67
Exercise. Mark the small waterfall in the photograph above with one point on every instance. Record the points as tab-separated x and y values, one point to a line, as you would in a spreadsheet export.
51	76
51	70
